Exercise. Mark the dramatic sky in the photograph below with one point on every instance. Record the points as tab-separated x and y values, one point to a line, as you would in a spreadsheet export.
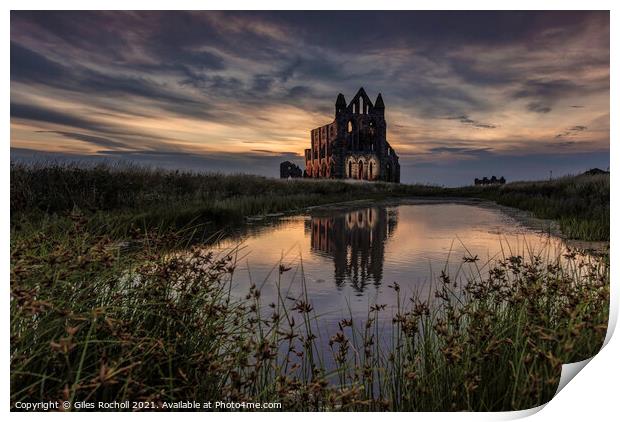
467	94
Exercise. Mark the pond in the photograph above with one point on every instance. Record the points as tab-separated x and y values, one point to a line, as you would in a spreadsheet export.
345	258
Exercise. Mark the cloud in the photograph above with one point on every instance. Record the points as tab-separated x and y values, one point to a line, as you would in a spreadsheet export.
31	67
546	89
102	134
566	144
90	139
461	151
572	131
538	107
277	153
204	83
42	114
466	120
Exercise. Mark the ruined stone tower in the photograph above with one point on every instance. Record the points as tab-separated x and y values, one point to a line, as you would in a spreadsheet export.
354	145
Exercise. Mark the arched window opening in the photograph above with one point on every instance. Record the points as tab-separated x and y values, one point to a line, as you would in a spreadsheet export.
370	172
349	127
350	168
360	170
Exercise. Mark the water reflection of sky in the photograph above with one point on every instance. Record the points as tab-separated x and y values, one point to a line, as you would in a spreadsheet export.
348	258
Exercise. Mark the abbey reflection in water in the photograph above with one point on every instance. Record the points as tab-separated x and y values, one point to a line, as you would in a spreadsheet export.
355	240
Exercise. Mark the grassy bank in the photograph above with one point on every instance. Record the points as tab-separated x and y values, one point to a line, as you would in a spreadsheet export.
89	323
121	197
580	204
118	198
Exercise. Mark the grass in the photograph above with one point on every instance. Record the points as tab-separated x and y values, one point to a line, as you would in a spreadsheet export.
89	323
117	198
125	196
579	203
104	307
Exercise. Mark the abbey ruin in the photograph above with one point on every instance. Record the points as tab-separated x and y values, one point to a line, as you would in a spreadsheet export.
354	145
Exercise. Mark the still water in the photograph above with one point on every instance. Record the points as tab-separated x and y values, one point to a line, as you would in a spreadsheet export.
348	256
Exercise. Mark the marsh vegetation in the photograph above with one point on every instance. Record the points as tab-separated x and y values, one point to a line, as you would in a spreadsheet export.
89	323
103	307
120	196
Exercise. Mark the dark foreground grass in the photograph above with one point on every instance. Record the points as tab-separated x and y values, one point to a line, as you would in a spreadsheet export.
117	198
89	323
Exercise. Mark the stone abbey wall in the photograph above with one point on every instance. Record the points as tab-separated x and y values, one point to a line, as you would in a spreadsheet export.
354	145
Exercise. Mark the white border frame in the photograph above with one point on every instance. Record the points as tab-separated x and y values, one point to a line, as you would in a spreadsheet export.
590	395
